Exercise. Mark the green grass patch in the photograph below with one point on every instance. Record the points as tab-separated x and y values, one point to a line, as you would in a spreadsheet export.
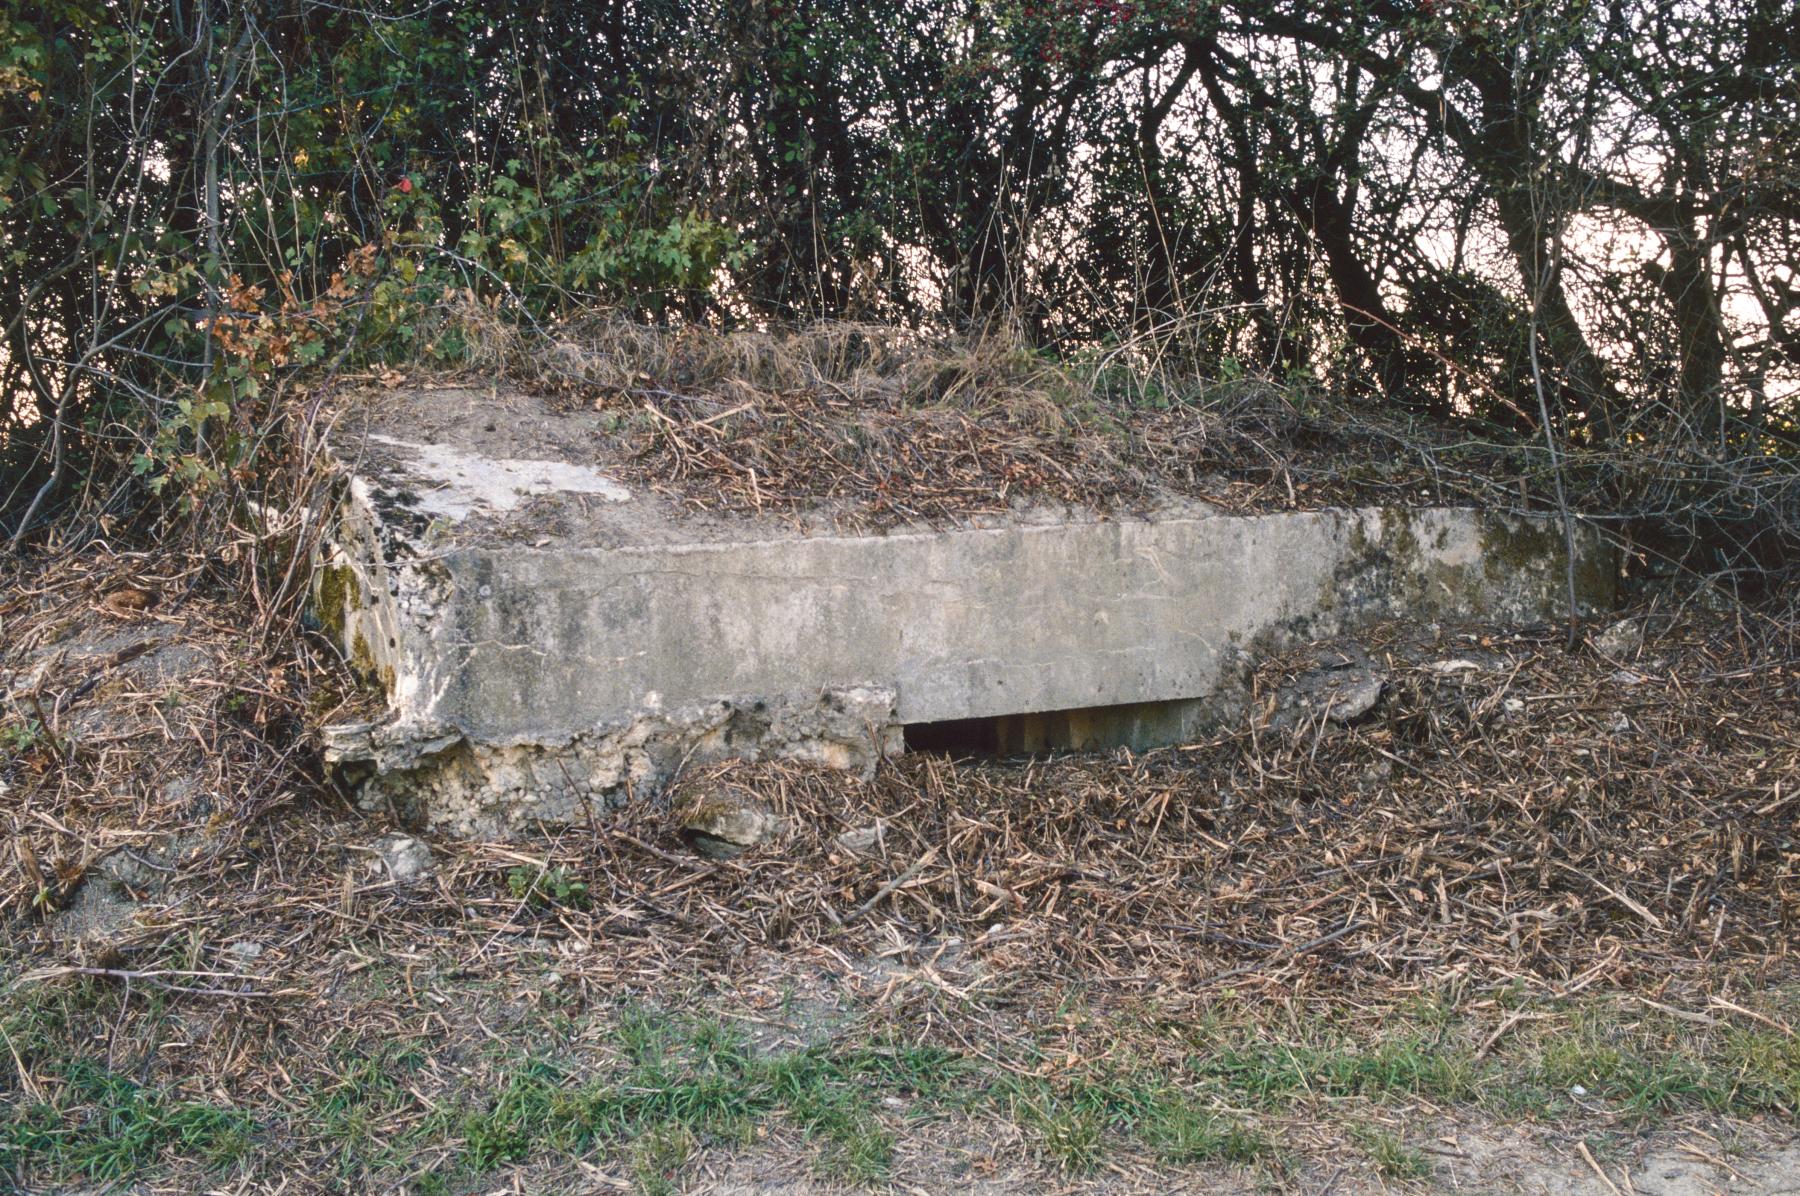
645	1090
1070	1119
1647	1067
352	1111
101	1125
658	1157
1064	1130
684	1082
1760	1069
1273	1072
1183	1131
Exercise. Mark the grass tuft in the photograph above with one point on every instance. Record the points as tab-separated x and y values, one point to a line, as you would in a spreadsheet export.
1273	1073
1179	1131
1066	1134
658	1157
1390	1153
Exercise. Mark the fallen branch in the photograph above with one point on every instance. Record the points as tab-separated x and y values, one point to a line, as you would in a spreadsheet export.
154	979
1288	954
918	866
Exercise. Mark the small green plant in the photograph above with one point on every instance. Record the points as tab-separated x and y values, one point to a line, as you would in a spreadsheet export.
21	738
18	738
1390	1154
658	1156
1066	1133
546	888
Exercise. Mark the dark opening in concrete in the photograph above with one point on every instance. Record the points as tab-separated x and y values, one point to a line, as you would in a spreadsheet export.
955	737
1088	728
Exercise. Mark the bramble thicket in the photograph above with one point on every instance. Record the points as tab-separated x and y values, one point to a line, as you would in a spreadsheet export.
1571	223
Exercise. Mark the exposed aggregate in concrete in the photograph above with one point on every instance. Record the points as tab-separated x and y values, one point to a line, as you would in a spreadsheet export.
451	785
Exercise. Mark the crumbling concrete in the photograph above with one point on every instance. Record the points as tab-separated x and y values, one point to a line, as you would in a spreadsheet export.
550	641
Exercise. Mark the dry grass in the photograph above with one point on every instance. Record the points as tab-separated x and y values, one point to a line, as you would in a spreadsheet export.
879	426
874	426
140	704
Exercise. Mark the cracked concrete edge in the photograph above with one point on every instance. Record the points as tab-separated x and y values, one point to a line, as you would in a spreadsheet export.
437	778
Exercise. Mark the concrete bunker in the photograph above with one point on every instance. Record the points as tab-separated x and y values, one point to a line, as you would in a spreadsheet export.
550	640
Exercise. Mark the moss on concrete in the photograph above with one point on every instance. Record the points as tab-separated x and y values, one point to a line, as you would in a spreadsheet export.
337	597
335	594
1517	547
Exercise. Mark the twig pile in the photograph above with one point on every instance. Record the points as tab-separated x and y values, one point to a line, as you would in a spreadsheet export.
1536	816
135	707
1509	812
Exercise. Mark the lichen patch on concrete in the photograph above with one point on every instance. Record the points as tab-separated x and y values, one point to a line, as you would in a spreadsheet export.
454	483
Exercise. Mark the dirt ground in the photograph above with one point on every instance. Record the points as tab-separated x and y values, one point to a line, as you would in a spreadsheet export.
1482	1158
1523	925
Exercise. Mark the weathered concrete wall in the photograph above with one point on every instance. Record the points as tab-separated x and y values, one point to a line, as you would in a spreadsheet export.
519	645
530	676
